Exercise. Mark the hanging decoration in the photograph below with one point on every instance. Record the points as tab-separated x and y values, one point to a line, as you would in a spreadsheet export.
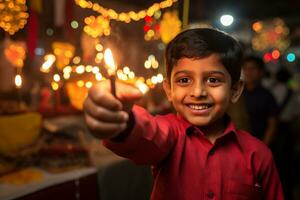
170	26
64	52
151	27
13	15
96	26
125	16
270	35
77	92
88	44
15	53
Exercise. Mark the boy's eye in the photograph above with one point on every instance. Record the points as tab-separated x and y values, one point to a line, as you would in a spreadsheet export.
213	80
183	80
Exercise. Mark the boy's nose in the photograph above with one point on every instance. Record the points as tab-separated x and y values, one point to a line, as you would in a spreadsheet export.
199	90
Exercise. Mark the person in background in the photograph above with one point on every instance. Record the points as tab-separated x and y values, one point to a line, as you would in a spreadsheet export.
260	103
281	89
283	145
197	153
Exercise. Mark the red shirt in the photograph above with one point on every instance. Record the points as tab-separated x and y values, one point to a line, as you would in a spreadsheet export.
187	166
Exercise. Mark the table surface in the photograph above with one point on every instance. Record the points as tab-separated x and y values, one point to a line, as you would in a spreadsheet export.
8	191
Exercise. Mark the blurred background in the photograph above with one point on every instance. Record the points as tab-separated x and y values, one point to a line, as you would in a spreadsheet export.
52	52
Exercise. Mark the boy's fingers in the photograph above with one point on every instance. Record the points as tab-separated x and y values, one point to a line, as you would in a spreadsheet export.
103	130
127	92
102	97
100	94
103	114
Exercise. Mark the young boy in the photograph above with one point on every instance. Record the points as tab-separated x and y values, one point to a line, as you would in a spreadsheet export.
196	153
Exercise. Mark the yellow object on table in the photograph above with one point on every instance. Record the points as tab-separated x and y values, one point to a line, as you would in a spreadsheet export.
18	131
24	176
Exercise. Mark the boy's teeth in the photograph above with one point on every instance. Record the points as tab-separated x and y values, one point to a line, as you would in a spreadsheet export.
198	107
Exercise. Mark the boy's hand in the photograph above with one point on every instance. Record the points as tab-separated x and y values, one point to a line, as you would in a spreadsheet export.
105	115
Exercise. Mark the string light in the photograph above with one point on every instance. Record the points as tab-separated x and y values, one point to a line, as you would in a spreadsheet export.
76	60
151	27
270	35
13	15
96	26
151	62
54	86
291	57
56	77
18	81
74	24
125	16
64	52
49	60
257	26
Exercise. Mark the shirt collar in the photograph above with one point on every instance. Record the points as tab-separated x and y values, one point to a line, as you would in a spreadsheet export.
229	129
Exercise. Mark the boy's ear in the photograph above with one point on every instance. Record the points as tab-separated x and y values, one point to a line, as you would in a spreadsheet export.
167	89
237	90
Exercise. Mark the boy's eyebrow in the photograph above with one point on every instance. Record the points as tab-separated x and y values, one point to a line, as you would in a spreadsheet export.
207	72
183	71
216	72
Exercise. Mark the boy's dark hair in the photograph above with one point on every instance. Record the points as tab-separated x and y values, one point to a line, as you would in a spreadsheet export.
202	42
259	63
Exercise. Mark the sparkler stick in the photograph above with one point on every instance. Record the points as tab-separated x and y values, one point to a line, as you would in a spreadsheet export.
111	69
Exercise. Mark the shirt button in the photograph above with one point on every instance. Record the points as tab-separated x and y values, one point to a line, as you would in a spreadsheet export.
210	194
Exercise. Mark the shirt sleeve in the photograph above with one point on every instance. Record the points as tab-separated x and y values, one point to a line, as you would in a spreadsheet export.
150	140
271	185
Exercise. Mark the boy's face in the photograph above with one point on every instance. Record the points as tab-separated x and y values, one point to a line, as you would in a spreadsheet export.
200	89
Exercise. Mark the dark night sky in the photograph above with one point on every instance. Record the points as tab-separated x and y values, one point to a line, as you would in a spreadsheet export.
251	9
246	9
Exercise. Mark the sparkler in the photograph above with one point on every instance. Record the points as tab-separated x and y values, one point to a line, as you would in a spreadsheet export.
111	69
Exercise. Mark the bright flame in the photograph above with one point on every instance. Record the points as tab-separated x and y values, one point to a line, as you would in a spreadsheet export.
109	61
18	81
49	60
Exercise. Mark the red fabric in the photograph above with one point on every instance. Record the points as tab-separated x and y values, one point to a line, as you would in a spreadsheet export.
187	166
32	33
69	10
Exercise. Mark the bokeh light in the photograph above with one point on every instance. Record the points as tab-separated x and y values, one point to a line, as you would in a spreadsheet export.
226	20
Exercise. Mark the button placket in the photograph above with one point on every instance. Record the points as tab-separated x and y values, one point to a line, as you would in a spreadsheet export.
211	152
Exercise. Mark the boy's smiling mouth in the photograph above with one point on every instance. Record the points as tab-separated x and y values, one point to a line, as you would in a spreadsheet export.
199	107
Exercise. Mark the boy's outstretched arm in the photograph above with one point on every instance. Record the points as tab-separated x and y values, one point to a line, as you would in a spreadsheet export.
106	115
127	130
